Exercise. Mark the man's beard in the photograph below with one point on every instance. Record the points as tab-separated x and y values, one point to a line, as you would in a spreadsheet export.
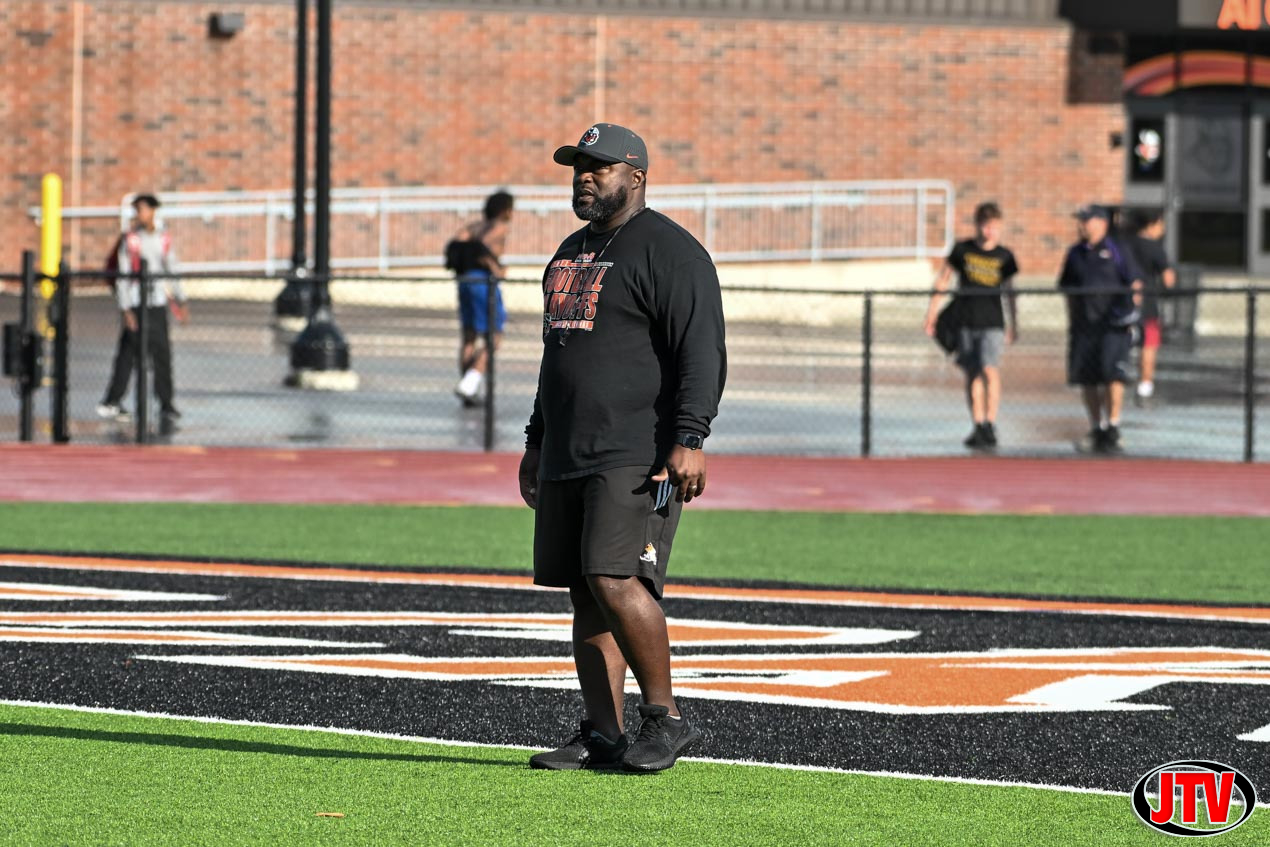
602	208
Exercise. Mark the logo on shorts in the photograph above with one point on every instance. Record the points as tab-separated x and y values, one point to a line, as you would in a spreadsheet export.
1190	784
649	555
589	137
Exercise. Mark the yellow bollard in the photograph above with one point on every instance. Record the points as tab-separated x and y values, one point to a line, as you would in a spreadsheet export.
50	238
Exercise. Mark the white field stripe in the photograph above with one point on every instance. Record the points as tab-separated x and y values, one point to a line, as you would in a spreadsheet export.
245	571
148	637
416	739
315	619
1260	735
227	570
43	591
540	627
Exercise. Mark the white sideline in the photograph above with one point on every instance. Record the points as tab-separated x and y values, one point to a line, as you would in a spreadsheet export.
1071	789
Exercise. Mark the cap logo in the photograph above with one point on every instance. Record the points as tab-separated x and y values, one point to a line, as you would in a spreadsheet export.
589	137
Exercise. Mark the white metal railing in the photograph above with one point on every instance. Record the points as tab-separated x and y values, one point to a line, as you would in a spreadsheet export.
385	228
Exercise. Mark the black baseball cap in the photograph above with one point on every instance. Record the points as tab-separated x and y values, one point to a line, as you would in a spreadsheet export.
608	143
148	199
1093	210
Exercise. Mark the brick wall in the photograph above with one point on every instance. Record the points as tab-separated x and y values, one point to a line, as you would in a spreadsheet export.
1011	113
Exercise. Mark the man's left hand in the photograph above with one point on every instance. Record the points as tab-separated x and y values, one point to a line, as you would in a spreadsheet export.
181	312
686	470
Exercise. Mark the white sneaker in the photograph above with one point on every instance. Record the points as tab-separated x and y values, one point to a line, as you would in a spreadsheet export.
470	385
115	413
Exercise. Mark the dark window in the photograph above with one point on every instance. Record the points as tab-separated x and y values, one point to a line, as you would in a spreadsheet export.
1146	150
1215	239
1212	151
1265	154
1265	230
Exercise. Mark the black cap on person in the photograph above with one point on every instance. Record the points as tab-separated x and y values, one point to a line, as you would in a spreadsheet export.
608	143
1091	211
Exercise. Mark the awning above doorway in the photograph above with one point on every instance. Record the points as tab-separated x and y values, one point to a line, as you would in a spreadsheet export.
1165	16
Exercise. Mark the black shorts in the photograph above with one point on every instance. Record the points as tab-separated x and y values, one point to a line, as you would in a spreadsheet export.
612	523
1098	356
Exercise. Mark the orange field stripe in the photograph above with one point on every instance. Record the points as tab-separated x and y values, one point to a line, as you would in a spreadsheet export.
681	632
98	635
262	571
52	592
1245	614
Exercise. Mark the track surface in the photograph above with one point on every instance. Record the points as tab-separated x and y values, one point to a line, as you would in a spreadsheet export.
972	485
877	688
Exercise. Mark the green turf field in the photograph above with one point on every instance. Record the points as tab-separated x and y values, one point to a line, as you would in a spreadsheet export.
1134	557
75	778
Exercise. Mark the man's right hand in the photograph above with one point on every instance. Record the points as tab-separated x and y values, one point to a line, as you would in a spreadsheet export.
130	321
529	476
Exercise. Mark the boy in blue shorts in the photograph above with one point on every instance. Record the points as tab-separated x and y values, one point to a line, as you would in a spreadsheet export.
474	255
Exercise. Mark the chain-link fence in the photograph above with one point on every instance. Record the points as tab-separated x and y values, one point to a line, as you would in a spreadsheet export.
810	373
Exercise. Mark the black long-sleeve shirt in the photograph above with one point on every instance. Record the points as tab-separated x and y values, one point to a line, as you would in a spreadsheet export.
633	348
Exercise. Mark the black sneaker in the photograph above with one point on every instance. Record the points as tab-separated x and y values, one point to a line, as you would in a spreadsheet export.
989	435
587	749
171	413
660	741
976	438
1111	440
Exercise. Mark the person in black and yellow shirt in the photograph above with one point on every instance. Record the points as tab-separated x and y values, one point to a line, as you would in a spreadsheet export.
984	270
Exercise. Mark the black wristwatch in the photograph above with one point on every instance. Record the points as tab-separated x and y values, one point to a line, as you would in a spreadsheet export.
690	440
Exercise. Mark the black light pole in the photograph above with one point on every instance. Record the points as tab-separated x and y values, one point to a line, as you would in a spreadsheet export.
320	356
293	305
322	218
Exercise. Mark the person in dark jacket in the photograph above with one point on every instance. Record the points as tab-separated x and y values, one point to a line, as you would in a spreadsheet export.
633	367
1104	289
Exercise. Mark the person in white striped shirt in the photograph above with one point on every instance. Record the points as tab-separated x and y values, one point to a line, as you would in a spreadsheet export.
145	242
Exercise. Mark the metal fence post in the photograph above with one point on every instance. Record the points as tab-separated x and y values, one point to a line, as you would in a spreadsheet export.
491	311
1250	377
919	237
27	385
143	351
816	224
866	379
383	233
61	320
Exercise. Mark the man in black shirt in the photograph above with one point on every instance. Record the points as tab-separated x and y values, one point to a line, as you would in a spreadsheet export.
632	370
1103	284
1147	247
984	270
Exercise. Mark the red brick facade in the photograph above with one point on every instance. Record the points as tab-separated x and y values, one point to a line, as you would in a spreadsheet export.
1013	113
